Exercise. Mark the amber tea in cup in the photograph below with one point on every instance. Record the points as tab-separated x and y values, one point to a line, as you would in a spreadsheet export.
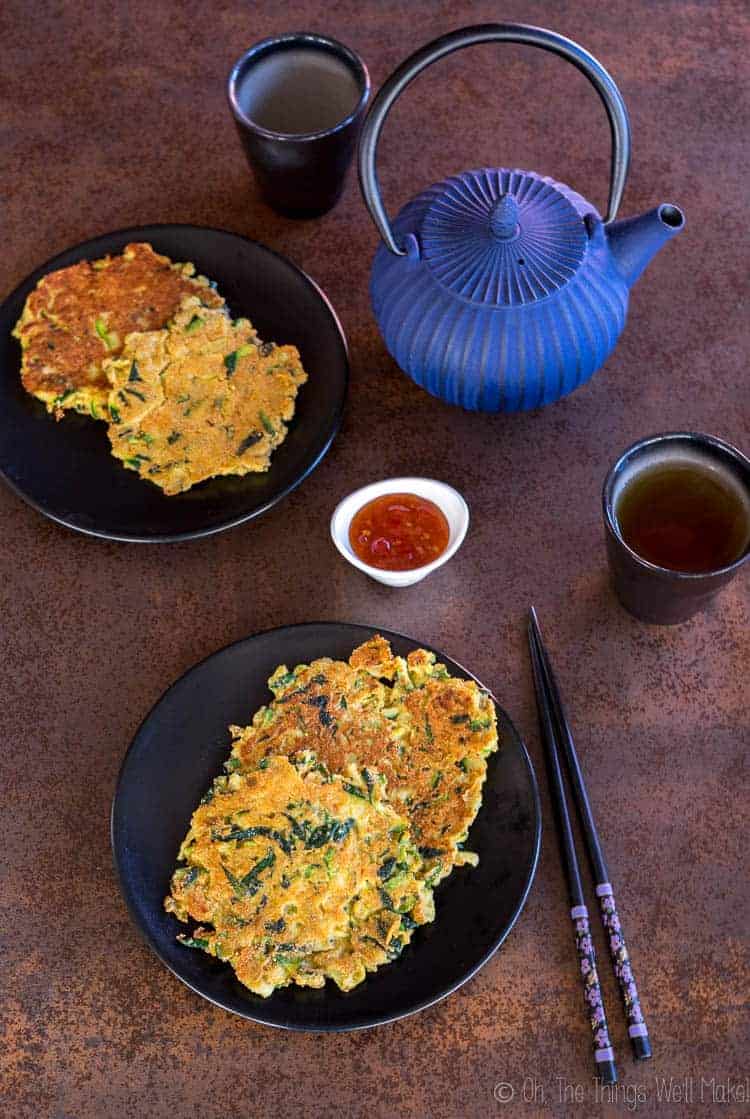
298	91
677	514
681	515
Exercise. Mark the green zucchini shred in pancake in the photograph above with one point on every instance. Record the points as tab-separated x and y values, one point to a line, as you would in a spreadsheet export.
77	317
427	733
200	398
297	875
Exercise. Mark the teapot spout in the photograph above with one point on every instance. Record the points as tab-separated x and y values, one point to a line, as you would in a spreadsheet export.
634	241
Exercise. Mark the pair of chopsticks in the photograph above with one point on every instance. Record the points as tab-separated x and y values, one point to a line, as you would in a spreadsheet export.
558	740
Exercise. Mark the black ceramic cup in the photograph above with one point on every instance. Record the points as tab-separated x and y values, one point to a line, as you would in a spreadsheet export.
298	100
655	594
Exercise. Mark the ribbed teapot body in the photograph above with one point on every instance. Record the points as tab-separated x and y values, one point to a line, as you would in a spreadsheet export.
499	305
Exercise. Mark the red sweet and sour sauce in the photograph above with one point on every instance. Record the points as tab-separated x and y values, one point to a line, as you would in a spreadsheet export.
398	532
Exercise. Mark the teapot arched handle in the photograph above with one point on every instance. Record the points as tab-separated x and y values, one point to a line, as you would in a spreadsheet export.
467	37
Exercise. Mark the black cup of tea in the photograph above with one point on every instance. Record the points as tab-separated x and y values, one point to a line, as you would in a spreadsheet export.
298	101
677	518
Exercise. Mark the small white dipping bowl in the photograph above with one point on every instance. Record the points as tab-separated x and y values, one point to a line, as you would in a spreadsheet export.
447	499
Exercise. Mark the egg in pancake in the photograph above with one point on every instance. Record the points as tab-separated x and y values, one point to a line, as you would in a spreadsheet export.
79	316
201	398
428	733
296	875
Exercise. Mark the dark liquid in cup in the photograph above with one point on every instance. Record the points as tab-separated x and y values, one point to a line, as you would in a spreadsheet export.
299	90
684	517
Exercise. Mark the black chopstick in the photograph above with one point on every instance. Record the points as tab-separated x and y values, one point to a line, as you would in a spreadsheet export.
604	1058
637	1030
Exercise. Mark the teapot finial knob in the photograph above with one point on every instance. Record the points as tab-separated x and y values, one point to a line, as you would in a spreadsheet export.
504	218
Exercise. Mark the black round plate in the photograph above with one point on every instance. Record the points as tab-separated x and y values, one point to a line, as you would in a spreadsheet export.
65	469
183	744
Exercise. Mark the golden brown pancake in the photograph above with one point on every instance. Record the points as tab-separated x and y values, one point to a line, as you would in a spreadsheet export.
200	398
77	317
296	875
427	733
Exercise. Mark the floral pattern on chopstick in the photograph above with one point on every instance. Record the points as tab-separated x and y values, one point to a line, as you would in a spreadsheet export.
621	961
591	990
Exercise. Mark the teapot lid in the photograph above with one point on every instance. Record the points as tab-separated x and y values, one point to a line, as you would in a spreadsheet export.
503	238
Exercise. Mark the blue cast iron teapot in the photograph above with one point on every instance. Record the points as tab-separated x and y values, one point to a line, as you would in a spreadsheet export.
504	290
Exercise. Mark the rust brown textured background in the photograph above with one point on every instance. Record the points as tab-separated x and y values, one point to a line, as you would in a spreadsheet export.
114	115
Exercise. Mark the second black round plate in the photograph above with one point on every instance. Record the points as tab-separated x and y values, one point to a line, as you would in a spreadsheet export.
182	745
66	470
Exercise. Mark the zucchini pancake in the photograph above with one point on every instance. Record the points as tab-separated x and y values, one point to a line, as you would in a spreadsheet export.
301	874
202	397
426	732
346	801
77	317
